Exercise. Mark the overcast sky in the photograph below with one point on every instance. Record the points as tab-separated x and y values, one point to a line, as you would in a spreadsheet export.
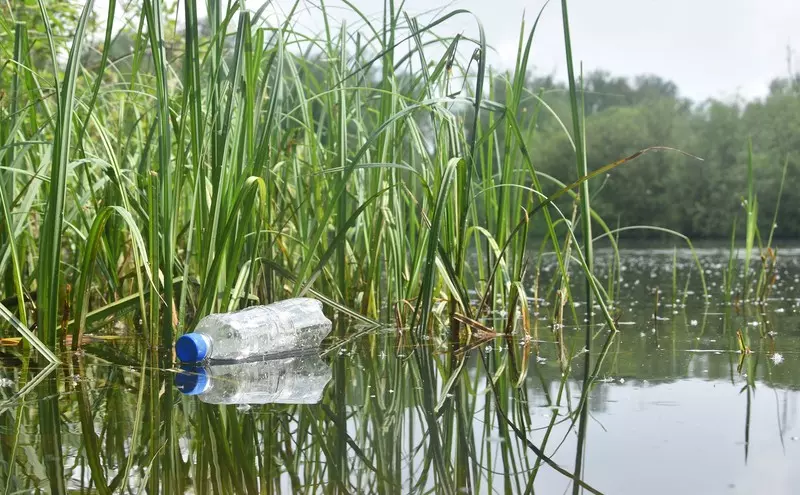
710	48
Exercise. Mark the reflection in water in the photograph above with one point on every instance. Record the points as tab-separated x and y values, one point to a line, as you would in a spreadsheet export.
289	380
676	408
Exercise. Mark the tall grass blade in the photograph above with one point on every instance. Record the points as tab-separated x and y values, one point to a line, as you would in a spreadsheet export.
49	270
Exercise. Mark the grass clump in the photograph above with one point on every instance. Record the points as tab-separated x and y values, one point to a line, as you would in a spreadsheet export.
180	172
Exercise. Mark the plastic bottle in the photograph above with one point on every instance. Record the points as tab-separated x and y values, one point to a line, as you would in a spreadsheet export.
285	326
291	380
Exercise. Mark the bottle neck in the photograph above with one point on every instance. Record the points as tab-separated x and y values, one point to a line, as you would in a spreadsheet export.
209	344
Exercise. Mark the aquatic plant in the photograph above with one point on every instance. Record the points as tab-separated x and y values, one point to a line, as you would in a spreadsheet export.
244	160
172	175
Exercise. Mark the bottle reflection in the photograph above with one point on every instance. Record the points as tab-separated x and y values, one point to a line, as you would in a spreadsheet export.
298	379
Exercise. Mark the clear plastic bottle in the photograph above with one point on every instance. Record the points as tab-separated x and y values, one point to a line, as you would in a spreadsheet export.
285	326
297	379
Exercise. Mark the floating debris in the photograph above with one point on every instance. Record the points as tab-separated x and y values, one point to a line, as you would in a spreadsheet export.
693	323
777	358
6	382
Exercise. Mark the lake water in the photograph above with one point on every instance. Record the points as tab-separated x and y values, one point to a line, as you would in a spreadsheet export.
676	406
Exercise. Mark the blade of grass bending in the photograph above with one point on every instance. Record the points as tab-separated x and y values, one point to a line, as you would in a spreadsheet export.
333	202
339	239
423	307
553	197
366	65
50	241
252	186
667	231
27	334
89	255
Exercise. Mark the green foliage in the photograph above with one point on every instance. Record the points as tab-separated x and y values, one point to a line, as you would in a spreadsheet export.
697	198
178	173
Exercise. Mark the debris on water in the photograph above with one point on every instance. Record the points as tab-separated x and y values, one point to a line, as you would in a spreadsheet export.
243	408
777	358
772	333
541	360
6	382
794	439
621	380
488	348
693	323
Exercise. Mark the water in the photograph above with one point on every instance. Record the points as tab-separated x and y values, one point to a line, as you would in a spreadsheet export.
676	408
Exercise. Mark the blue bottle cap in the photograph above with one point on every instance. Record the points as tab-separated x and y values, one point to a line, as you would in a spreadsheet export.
191	347
192	381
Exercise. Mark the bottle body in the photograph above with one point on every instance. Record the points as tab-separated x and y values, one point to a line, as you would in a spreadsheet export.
285	326
299	379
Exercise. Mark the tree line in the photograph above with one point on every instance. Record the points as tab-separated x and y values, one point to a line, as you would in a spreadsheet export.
700	197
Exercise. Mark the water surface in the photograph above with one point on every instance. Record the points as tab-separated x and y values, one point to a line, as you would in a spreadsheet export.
676	406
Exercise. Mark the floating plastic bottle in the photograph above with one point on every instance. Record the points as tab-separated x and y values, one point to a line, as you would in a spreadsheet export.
299	379
286	326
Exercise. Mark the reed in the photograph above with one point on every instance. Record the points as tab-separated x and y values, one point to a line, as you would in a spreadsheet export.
165	175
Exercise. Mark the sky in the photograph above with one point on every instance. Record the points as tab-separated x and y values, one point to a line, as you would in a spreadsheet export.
720	49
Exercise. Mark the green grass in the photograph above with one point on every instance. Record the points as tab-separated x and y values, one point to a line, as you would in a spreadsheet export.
258	161
379	169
